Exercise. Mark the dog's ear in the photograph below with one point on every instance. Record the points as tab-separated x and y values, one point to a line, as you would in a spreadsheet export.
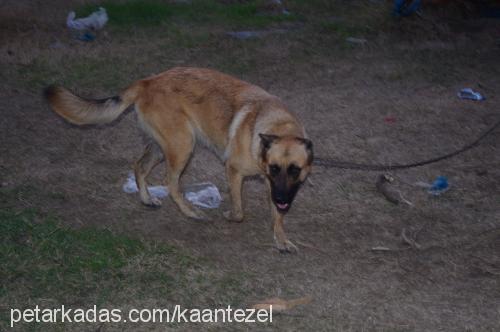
267	140
309	148
265	143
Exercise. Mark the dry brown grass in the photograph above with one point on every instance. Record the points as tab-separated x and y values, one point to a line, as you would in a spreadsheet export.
410	70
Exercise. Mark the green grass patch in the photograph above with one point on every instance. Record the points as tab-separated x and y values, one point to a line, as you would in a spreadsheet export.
344	19
108	73
131	12
45	263
53	257
342	29
35	75
154	12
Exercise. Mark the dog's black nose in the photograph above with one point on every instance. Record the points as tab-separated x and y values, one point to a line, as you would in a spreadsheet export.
281	200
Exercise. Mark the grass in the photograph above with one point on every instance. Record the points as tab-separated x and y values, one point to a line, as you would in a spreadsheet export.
46	263
154	13
181	30
84	71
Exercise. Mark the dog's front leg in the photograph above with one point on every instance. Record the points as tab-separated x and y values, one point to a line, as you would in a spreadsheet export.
282	243
235	180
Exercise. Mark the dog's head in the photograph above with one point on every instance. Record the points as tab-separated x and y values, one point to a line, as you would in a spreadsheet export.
286	162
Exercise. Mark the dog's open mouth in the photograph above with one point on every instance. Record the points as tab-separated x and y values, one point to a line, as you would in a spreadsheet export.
283	207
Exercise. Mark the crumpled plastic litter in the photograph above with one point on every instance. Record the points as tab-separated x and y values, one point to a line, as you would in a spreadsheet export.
468	93
406	8
248	34
245	34
439	186
94	21
130	187
204	194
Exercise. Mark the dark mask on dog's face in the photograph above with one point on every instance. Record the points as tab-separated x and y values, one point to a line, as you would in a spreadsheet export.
286	162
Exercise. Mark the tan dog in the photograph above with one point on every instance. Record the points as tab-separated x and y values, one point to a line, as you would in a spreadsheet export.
251	131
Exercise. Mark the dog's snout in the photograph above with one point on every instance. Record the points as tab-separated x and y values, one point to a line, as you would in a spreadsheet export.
281	195
281	199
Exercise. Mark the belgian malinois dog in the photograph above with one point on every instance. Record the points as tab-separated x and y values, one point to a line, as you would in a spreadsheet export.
249	129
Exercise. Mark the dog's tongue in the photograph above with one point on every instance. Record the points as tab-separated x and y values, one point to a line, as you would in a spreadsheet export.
282	206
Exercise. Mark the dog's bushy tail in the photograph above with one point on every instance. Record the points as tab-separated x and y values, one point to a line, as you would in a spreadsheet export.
81	111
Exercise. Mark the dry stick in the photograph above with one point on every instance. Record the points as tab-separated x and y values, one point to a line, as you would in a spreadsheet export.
406	239
403	199
387	249
310	181
300	243
380	248
409	241
51	233
482	237
310	246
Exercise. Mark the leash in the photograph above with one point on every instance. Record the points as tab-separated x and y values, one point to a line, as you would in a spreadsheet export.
332	163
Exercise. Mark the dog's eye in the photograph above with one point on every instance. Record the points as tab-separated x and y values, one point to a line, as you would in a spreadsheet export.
274	170
294	171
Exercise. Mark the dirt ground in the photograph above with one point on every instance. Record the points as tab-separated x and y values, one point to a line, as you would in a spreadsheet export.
446	278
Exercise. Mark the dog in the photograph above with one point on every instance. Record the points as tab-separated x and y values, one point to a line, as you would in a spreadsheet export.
249	129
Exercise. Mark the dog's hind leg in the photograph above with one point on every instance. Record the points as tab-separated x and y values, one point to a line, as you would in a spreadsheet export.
151	157
178	143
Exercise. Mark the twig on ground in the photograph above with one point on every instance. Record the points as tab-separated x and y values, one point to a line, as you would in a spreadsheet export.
382	248
410	241
311	183
300	243
404	200
310	246
52	233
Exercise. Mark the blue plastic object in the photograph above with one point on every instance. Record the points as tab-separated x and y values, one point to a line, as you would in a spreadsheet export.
439	186
87	37
403	9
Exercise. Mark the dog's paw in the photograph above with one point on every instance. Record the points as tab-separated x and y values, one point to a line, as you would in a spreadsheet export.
152	202
287	247
231	217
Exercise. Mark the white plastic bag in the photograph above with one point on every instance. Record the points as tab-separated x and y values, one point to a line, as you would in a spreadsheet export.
205	194
94	21
130	187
